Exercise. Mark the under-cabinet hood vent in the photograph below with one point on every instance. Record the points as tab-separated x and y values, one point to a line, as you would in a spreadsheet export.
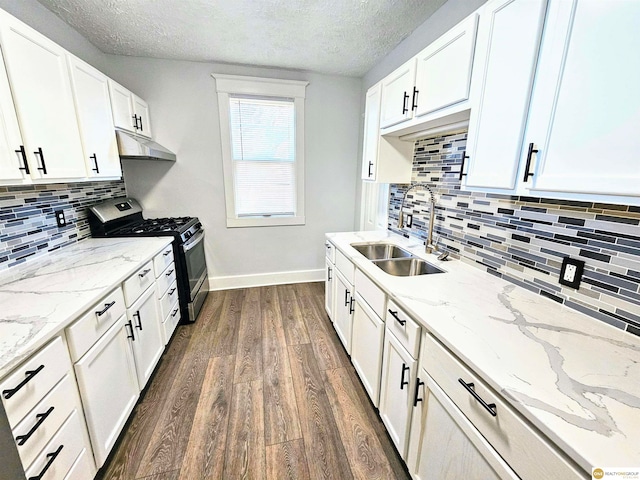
133	147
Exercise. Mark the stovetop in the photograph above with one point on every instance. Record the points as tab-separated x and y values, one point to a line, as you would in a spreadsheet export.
156	225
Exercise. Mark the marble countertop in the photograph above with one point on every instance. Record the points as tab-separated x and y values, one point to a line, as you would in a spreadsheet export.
39	300
575	378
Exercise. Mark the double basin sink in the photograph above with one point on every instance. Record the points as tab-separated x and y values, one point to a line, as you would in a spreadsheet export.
395	260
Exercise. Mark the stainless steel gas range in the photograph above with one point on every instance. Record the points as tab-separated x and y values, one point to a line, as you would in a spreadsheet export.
122	217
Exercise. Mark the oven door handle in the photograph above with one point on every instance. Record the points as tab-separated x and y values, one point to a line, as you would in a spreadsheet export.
193	241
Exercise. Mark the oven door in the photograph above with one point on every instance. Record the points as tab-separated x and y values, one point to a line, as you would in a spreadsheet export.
196	264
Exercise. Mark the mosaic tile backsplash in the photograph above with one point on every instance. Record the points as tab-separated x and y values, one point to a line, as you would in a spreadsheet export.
524	239
28	227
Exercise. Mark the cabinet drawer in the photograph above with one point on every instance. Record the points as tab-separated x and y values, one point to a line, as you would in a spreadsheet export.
86	331
403	327
371	293
39	426
165	280
523	448
168	299
345	266
330	251
83	468
41	372
138	283
61	452
171	322
162	260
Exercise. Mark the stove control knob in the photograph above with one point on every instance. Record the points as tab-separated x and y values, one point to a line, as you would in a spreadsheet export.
188	235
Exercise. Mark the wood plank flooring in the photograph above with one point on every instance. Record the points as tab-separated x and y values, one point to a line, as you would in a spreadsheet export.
258	388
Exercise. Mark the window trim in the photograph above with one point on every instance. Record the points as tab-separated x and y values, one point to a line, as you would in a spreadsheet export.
227	85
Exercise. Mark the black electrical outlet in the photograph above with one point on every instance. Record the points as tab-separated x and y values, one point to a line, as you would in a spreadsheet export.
571	272
60	220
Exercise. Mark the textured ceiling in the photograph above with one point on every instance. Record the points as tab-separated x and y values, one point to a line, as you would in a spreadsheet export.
344	37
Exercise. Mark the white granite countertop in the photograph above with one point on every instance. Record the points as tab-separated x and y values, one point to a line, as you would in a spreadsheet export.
39	300
575	378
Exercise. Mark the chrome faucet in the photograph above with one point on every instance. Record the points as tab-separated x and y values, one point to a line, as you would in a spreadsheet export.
429	246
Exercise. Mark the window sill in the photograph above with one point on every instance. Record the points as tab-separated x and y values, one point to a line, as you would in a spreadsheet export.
264	221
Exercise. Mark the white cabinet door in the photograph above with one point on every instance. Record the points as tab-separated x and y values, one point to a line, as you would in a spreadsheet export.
397	95
91	93
41	88
108	387
366	347
141	111
506	52
443	70
13	157
329	288
586	101
344	304
147	340
444	444
396	391
371	132
122	107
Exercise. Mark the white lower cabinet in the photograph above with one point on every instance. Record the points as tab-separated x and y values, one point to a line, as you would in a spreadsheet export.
109	388
396	391
366	347
343	312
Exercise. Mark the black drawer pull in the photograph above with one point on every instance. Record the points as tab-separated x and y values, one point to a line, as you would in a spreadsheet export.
173	314
328	245
140	118
166	253
528	165
172	291
23	154
168	274
416	398
137	314
346	298
29	374
144	273
405	100
489	407
107	306
22	439
44	165
414	100
402	382
352	307
52	456
369	174
95	161
130	325
464	155
394	314
135	120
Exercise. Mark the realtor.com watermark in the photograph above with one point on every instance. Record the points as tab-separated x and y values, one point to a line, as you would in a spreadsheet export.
616	473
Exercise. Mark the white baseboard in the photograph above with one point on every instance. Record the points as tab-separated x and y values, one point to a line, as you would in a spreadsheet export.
264	279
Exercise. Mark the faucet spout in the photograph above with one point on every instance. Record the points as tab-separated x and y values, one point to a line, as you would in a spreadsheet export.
430	247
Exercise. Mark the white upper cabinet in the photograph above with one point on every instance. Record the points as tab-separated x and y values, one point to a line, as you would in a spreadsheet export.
41	87
371	132
13	157
505	61
586	103
398	94
443	71
130	112
91	92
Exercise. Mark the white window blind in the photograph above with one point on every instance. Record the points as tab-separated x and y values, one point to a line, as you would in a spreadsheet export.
263	148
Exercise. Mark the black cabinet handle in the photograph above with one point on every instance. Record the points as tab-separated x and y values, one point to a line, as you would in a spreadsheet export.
137	315
52	456
172	291
329	274
527	167
173	314
94	157
144	272
416	398
346	297
135	121
405	100
352	307
130	325
369	174
394	314
29	374
140	118
489	407
168	274
22	439
464	155
23	154
107	306
44	165
402	382
414	100
166	252
328	245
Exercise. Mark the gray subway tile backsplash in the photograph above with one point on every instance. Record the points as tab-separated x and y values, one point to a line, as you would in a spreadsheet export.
523	239
28	226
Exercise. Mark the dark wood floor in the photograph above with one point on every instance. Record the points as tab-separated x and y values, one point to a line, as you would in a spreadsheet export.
259	387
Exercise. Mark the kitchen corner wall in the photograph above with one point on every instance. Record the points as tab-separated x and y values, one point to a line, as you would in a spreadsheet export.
28	227
524	239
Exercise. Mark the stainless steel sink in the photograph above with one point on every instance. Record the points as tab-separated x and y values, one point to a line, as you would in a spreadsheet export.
404	267
380	251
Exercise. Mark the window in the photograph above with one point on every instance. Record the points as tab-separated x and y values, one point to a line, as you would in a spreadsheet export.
262	132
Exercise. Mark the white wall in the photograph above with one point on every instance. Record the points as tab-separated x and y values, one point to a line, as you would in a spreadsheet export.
184	114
